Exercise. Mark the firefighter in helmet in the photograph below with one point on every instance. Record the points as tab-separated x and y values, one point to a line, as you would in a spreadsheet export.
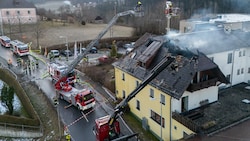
138	6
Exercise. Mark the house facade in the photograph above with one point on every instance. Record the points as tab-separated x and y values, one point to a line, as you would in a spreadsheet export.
17	12
190	82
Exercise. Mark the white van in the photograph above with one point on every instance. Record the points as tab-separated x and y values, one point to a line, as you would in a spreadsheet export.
55	53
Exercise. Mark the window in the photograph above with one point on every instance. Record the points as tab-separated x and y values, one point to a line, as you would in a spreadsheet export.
228	77
7	13
137	83
239	53
157	118
229	58
248	70
244	53
123	76
162	99
18	12
238	72
123	94
151	93
242	70
28	12
175	127
138	105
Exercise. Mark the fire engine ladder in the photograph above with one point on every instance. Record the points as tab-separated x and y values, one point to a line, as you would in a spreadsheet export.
93	42
166	61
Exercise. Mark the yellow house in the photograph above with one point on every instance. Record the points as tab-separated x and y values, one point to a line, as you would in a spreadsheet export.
159	104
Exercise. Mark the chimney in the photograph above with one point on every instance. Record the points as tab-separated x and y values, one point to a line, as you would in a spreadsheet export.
16	2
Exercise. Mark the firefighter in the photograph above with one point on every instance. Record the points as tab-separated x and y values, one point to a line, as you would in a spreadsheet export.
50	56
138	6
9	63
67	136
33	65
59	58
19	61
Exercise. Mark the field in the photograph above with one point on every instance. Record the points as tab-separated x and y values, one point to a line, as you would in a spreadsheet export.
53	33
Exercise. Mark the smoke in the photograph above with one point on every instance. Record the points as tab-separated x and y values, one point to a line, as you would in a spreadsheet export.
66	2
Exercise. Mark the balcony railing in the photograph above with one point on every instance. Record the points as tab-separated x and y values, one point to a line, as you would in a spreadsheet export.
204	84
186	122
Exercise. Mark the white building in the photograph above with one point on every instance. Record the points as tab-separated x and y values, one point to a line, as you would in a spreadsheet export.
228	47
17	12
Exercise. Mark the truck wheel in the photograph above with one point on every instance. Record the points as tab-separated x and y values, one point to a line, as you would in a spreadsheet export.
78	107
61	97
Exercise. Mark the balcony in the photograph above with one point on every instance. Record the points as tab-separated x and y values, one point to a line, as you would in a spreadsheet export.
201	85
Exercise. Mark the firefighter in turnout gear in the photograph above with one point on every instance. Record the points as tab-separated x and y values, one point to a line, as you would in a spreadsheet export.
19	62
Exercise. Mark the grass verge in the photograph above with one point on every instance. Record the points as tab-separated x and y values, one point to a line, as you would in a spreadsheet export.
137	128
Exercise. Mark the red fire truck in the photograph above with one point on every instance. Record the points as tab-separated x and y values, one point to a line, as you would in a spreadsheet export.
82	99
5	41
19	48
56	70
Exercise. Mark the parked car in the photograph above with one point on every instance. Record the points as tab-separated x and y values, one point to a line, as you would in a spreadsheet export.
54	53
93	50
66	52
83	50
126	45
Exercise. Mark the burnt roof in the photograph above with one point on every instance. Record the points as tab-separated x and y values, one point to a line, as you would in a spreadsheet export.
16	4
175	78
213	41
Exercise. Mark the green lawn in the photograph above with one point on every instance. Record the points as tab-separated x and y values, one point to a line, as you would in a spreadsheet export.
137	128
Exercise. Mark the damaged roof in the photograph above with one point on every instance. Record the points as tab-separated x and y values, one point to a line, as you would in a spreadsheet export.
175	78
213	41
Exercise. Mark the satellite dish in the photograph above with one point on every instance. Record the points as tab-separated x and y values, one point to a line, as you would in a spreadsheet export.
227	29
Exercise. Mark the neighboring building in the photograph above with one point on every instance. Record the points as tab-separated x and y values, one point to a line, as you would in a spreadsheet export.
228	22
225	40
17	11
190	82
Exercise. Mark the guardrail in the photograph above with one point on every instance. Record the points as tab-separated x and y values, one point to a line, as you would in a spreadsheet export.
17	130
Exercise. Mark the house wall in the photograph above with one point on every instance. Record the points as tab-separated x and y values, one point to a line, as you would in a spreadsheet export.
234	69
194	99
178	130
25	15
147	104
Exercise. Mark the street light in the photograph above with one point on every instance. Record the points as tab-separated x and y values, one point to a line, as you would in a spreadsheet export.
67	54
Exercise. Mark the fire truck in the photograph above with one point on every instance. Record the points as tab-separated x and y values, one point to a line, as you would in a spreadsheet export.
82	99
107	128
5	41
56	70
19	48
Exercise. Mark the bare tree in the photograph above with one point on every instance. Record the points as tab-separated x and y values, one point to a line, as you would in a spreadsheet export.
39	30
